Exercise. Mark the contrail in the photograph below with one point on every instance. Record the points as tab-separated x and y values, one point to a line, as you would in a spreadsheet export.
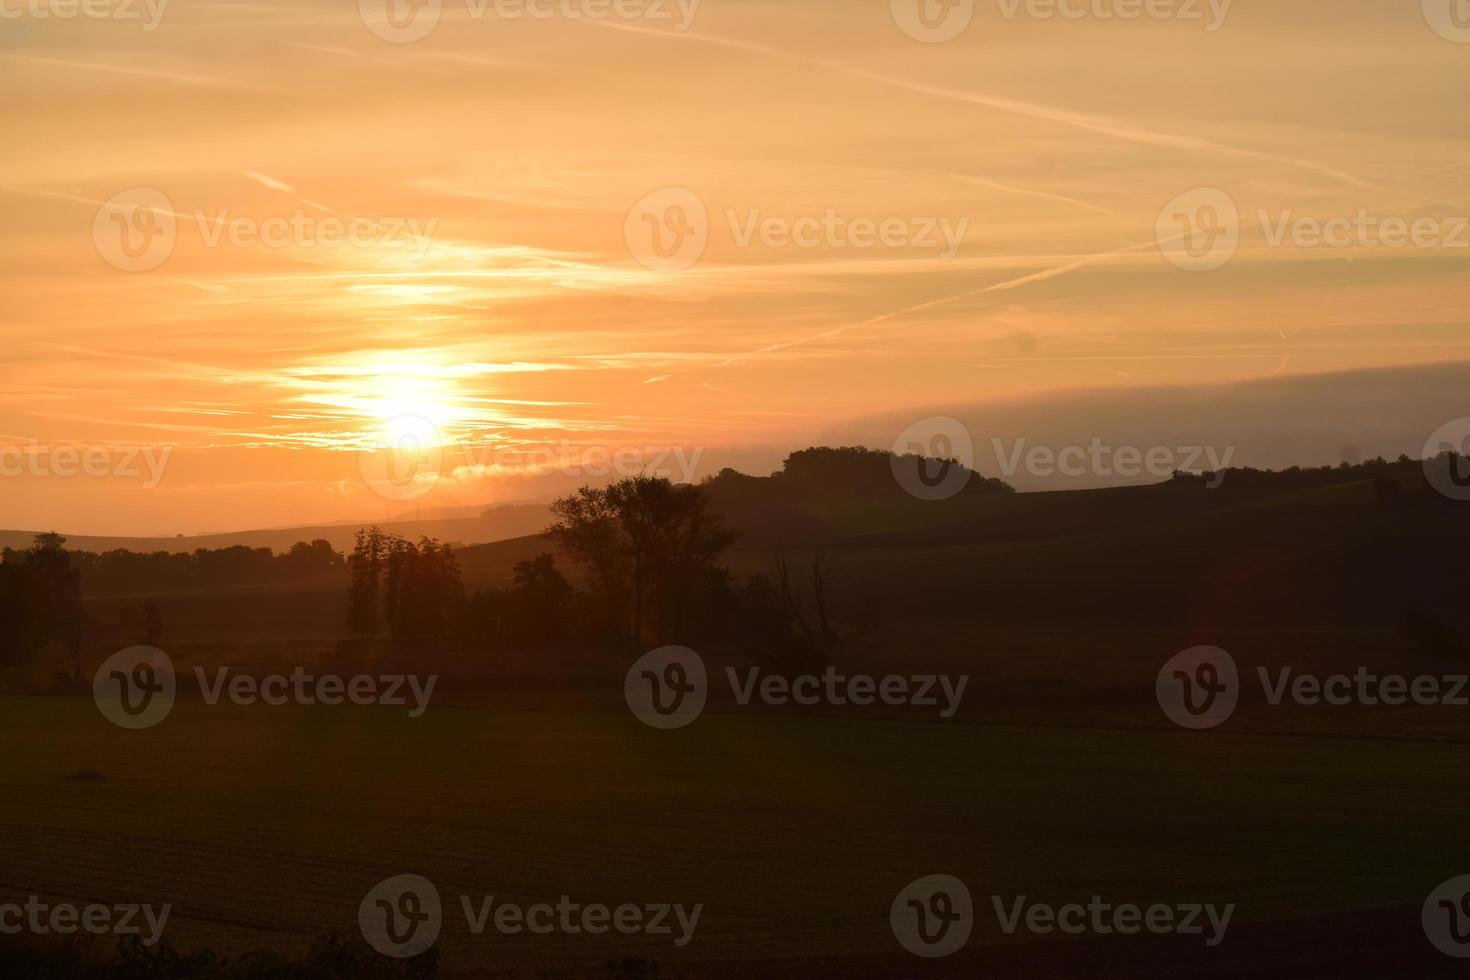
1008	189
164	76
1008	284
1033	110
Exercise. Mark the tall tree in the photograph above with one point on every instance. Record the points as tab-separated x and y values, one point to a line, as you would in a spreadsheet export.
366	566
645	542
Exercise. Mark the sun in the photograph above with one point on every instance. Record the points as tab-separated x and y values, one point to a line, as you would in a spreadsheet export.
399	400
404	399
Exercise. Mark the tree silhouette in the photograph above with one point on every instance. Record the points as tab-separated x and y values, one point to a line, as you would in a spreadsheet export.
362	596
646	543
412	591
150	630
40	599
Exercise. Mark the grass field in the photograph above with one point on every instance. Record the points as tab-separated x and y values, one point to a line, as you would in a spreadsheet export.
265	826
1059	779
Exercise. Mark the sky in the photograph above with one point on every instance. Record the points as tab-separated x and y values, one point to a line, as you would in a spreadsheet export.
249	245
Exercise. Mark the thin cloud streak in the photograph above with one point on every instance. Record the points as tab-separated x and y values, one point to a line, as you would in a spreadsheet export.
1033	110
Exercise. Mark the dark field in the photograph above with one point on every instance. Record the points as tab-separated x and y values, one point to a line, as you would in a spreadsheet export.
1059	778
266	826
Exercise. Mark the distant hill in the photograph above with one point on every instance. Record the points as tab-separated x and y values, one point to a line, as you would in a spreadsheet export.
493	524
1324	563
1371	544
1346	546
792	505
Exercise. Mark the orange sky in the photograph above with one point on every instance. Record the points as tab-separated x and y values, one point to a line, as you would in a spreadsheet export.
496	289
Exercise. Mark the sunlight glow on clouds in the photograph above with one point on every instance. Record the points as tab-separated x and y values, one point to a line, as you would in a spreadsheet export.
491	167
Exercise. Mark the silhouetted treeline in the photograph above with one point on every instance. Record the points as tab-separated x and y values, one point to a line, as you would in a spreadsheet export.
40	601
853	471
649	554
407	593
648	551
1404	472
330	958
123	572
650	548
539	610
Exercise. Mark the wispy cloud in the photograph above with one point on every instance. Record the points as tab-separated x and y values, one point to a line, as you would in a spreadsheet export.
267	181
